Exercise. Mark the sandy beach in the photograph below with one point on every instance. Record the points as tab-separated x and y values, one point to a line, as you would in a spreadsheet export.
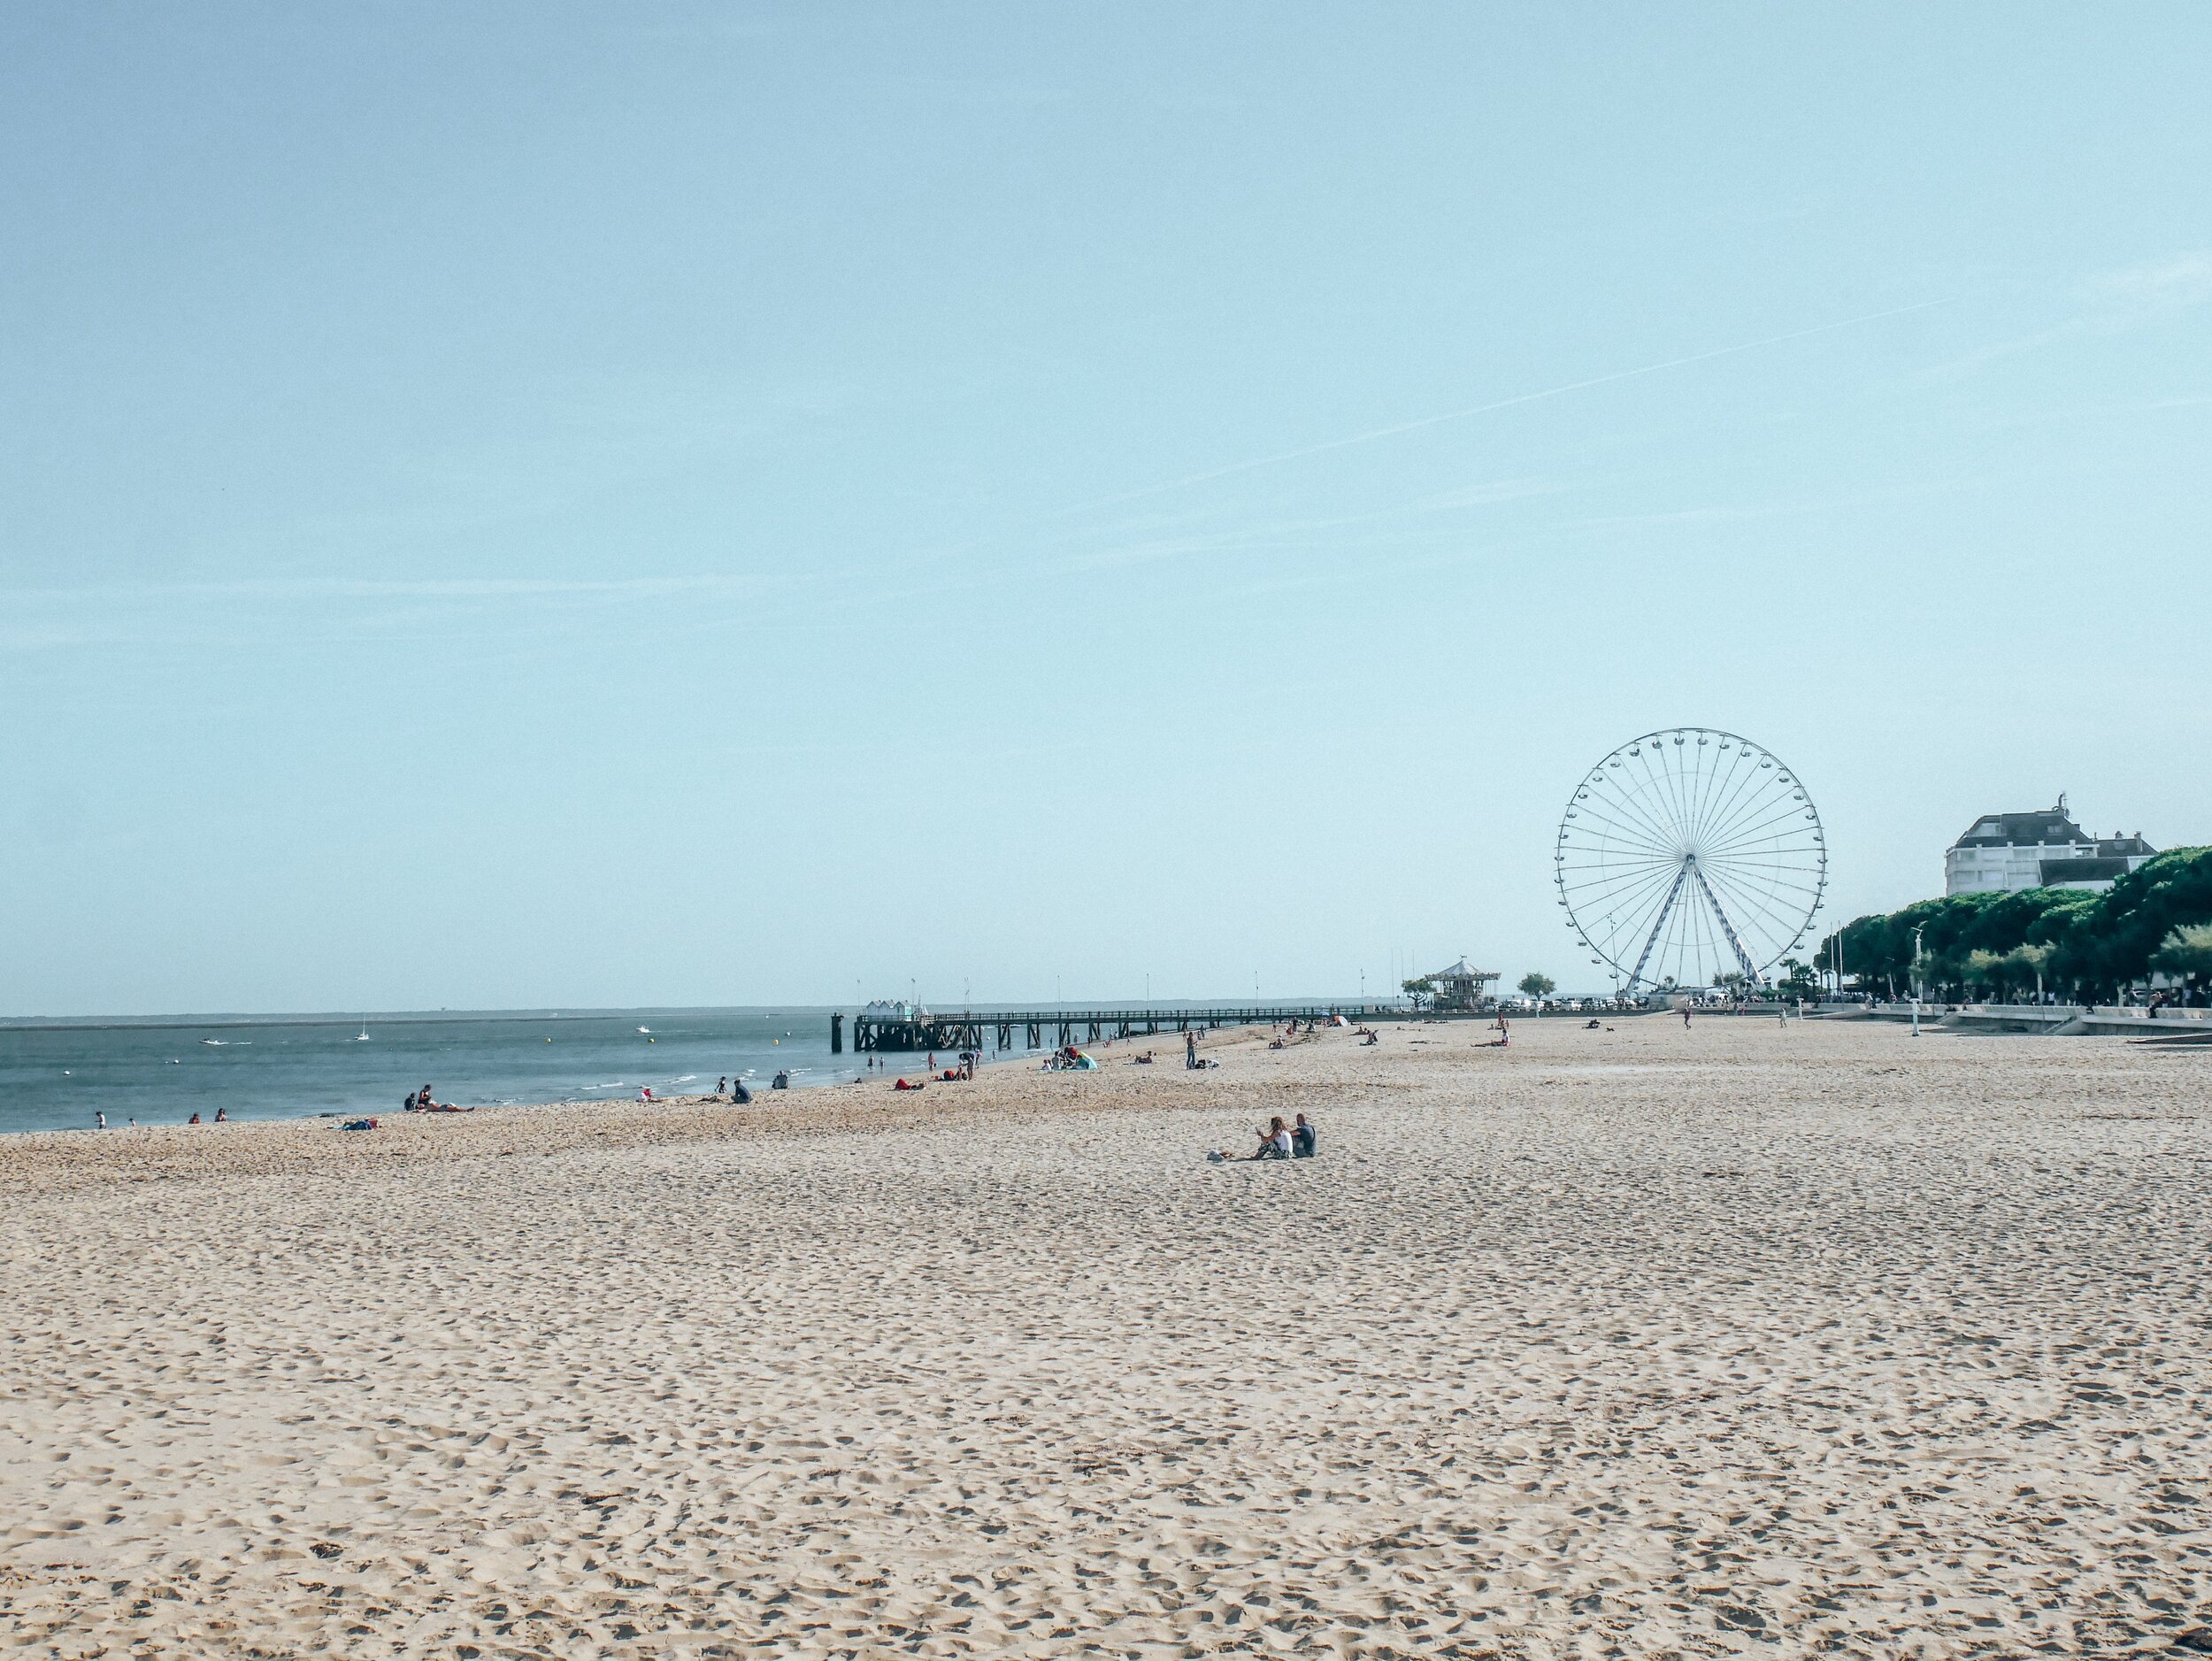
1640	1342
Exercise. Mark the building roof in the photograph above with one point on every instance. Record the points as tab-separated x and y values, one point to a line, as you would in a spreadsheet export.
1460	971
2058	873
2015	830
2044	828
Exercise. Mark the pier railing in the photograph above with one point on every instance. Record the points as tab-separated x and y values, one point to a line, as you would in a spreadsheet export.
969	1028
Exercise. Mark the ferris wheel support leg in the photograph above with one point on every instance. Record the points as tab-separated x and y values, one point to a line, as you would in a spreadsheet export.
1658	926
1735	942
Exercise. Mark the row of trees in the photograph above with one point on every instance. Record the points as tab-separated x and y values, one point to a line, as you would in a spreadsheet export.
2084	943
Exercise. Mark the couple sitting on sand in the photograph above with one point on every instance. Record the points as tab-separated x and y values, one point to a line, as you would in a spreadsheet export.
1279	1141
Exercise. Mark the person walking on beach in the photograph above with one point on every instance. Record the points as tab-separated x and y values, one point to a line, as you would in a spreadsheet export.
1685	1017
722	1086
102	1119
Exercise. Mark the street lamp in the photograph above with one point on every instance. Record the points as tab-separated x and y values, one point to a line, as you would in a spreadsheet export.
1917	989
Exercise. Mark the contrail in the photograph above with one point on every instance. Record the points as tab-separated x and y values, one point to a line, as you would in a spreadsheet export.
1502	403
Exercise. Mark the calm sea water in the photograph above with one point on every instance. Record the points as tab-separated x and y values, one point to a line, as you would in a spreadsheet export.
58	1077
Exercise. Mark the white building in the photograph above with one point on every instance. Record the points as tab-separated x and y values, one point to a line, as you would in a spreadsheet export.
2045	850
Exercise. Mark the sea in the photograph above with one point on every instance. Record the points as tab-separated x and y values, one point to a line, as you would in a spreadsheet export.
61	1075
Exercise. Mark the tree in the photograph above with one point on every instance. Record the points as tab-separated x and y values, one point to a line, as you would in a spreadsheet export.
1800	980
2186	952
2082	939
2026	963
1537	986
1418	989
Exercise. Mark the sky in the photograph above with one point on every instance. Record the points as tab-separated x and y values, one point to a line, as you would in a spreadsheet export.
549	505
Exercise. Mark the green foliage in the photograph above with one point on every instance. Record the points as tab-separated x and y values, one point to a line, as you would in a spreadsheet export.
2082	941
1800	980
1417	989
1537	986
2187	952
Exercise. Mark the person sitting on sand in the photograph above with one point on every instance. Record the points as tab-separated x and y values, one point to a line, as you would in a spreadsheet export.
739	1093
222	1116
1304	1139
1274	1141
1274	1144
645	1093
193	1120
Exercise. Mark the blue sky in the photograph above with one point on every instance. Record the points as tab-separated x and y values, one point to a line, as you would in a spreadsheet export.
646	504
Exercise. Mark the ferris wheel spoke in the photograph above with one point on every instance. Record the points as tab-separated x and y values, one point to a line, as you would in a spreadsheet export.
1762	880
1782	925
1629	891
1632	816
1628	833
1771	797
1754	825
1725	798
1612	880
1636	915
1756	806
1799	858
1631	809
1677	794
1625	914
1703	772
1763	831
1661	805
1727	928
1666	910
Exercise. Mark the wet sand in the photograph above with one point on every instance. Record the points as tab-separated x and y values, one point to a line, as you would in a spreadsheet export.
1744	1339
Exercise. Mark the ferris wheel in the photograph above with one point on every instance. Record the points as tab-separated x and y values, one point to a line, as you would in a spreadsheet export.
1687	855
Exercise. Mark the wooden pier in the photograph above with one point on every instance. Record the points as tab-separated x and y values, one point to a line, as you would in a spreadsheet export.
952	1034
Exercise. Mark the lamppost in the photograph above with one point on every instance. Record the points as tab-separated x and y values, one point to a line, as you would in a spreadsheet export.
1916	987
